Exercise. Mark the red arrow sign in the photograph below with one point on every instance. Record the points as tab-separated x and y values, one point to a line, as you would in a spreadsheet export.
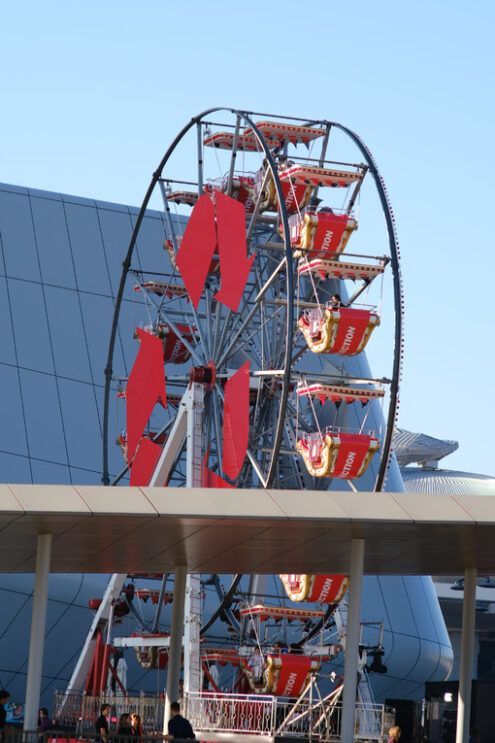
145	386
232	250
210	479
144	462
236	421
199	243
197	248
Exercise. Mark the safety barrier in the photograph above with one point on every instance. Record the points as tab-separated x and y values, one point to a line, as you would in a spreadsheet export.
211	713
17	735
79	711
231	713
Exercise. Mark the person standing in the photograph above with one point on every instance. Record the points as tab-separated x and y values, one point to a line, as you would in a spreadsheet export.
136	727
4	698
44	722
256	663
124	729
178	726
101	724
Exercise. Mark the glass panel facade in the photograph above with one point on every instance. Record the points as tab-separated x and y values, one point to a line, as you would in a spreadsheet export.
116	231
16	467
18	245
33	343
52	242
60	265
43	417
13	438
90	263
82	424
8	355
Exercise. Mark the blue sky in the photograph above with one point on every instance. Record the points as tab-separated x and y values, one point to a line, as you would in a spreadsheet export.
93	93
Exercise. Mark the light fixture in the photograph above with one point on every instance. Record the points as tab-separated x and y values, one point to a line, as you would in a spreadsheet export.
377	666
458	585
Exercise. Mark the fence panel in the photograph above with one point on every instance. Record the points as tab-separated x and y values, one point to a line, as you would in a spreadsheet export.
226	713
237	713
81	711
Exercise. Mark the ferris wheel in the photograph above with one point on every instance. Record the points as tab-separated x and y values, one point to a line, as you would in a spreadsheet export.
249	299
234	319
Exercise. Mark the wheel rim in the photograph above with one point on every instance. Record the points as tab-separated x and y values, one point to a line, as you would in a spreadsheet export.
261	331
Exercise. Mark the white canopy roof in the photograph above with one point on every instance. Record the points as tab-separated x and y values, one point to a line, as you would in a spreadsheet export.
129	529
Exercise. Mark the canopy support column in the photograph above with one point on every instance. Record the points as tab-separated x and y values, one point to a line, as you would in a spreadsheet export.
37	637
175	650
352	641
188	426
467	648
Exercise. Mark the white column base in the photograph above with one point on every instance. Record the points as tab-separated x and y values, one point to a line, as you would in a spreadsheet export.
352	641
37	638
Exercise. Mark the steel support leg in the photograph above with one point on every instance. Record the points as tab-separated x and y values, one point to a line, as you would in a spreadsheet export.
175	650
467	647
37	639
192	665
352	641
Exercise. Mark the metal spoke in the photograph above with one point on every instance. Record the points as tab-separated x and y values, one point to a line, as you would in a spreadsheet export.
250	315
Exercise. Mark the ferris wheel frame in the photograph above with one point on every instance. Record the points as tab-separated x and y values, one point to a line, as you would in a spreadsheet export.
243	116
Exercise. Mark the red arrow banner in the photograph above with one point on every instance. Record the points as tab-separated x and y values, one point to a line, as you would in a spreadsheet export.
210	479
202	236
232	250
197	248
144	462
145	386
236	421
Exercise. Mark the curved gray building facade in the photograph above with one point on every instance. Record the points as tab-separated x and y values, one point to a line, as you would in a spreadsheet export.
60	264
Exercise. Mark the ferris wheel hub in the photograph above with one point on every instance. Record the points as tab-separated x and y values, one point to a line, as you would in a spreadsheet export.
203	375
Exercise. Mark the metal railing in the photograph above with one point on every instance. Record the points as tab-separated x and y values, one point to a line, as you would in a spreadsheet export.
67	708
80	711
18	735
210	712
233	713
